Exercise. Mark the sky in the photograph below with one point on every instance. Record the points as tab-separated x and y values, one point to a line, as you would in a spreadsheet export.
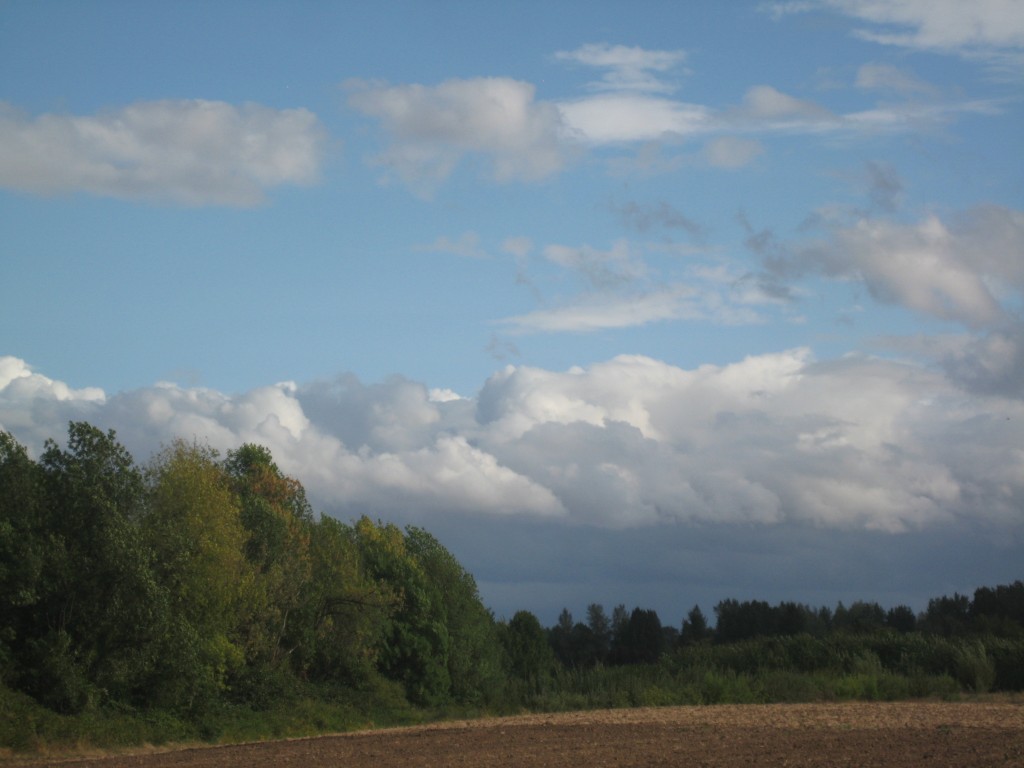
645	303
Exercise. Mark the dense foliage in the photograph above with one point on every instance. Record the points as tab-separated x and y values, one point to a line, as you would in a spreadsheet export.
184	597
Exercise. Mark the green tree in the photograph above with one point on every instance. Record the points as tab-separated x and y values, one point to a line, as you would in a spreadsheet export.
948	616
560	638
103	606
641	641
24	541
741	621
277	519
527	651
193	525
415	646
473	658
999	610
901	618
575	644
620	620
695	628
601	628
861	617
343	612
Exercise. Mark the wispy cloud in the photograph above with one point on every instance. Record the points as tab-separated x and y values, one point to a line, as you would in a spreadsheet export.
467	245
886	77
732	151
703	296
627	68
644	218
593	312
987	30
600	269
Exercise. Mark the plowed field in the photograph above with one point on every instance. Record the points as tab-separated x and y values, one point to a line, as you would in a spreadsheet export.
856	734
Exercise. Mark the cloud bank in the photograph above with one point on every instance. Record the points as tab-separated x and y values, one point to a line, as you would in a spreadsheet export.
857	443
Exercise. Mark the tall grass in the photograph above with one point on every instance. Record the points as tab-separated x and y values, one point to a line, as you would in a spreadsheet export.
877	667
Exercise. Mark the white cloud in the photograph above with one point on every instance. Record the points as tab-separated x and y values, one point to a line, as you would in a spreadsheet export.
772	438
732	151
990	30
593	312
444	395
629	68
988	364
518	247
18	381
186	152
700	299
857	443
601	269
945	25
618	288
887	77
433	128
627	117
768	103
467	245
962	271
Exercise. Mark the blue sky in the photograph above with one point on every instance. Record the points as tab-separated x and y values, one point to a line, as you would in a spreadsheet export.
677	297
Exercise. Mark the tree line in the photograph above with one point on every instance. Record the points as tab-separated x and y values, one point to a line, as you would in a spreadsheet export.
198	582
639	636
198	578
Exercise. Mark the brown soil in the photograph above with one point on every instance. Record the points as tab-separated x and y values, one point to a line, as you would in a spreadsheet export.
899	734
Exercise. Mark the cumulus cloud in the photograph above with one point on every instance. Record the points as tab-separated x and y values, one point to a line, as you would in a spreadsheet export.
431	129
857	443
186	152
964	270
